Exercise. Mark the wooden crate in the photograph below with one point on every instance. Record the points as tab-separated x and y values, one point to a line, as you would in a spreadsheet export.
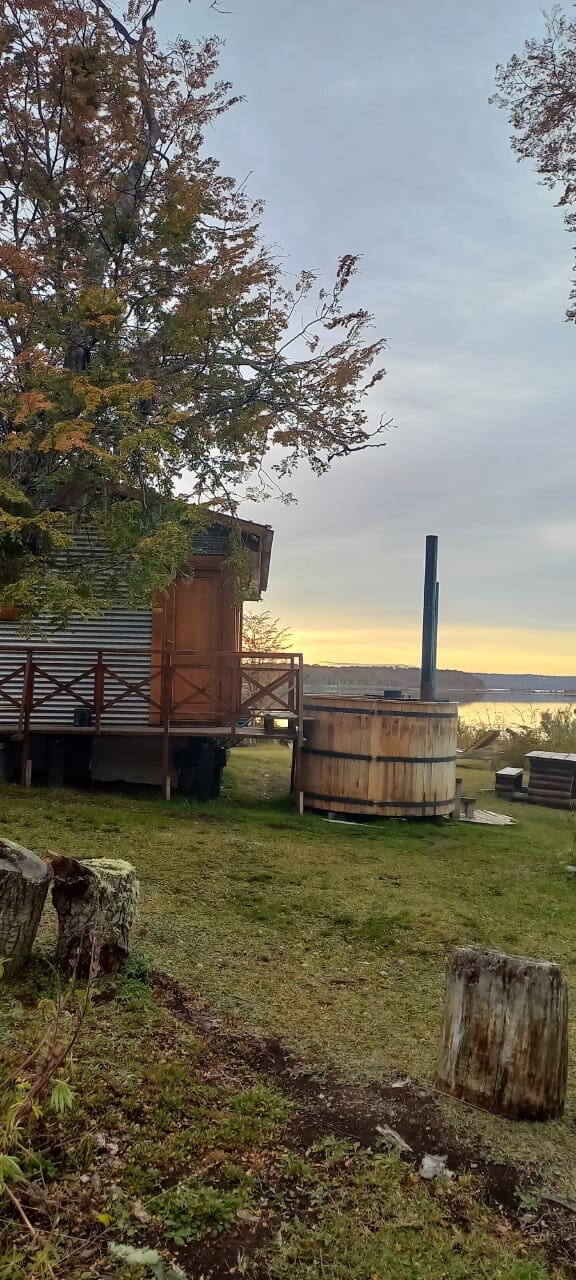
508	781
552	779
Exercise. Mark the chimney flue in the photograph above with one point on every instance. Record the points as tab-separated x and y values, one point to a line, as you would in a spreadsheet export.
430	621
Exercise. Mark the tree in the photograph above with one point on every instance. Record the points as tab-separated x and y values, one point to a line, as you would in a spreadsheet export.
538	90
261	633
146	333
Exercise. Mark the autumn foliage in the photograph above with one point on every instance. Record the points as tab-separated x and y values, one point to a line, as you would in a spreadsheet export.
149	344
537	89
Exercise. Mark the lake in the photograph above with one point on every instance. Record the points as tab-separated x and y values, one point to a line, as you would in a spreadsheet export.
509	711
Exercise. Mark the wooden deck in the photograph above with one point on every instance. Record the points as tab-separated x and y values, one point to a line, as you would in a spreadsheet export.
57	689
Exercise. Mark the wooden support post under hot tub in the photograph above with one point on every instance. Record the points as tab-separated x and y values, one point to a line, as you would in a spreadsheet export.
457	801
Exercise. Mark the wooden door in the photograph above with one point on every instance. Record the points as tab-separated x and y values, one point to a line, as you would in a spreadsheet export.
198	623
197	642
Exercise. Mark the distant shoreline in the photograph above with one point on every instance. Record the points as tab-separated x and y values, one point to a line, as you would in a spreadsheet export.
527	695
374	678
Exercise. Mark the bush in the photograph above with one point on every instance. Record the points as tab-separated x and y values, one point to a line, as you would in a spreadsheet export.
553	730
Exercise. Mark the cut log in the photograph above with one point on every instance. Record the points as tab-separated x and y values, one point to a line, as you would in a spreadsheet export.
505	1034
24	881
95	900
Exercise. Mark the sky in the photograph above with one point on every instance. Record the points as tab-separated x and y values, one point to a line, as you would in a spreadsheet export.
366	128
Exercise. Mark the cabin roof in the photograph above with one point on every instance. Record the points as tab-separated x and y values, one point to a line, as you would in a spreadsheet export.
256	538
248	529
264	532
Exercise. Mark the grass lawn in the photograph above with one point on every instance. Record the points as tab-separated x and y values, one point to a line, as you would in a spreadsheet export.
332	938
180	1156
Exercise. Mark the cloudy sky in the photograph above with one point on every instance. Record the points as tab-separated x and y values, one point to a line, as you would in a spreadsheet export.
366	127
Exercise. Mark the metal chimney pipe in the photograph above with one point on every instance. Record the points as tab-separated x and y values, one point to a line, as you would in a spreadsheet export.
430	621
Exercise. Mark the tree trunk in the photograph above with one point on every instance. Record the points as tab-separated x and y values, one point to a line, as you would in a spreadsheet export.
24	881
505	1034
95	899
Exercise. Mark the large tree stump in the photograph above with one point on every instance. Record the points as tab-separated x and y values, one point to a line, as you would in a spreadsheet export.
95	900
24	880
505	1034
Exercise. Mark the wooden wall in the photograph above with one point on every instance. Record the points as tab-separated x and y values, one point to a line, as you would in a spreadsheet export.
199	620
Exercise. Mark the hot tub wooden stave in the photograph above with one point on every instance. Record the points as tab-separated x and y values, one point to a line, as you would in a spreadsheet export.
379	757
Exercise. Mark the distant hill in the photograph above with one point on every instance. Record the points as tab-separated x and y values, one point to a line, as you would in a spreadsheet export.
463	686
351	679
530	683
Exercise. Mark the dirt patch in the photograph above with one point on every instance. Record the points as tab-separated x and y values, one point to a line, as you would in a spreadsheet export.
327	1106
216	1258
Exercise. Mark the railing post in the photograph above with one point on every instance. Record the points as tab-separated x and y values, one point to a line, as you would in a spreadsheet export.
166	701
236	691
99	690
27	705
299	739
292	686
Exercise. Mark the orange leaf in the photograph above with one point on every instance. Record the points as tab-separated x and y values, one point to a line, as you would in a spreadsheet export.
30	404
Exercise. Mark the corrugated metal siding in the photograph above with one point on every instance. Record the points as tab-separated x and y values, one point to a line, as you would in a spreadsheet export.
119	628
212	540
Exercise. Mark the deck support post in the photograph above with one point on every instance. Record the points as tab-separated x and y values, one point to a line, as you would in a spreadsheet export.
27	704
299	740
99	690
166	708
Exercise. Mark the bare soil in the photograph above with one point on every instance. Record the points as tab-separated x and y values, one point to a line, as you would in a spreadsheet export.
327	1105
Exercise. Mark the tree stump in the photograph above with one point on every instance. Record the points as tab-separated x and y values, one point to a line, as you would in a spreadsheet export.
505	1034
24	881
95	900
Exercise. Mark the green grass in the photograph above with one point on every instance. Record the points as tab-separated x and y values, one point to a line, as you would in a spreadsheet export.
172	1146
332	937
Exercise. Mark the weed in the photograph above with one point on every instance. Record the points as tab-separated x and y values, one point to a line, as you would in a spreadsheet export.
192	1212
134	993
532	731
529	1198
138	966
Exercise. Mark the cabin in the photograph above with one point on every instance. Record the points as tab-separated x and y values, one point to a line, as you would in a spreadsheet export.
152	695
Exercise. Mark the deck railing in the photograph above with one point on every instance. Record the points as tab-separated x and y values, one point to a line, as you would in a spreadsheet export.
51	688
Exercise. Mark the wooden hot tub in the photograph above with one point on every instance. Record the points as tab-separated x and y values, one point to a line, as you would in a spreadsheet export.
379	757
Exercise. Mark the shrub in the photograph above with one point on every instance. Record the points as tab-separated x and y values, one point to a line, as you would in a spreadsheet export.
553	730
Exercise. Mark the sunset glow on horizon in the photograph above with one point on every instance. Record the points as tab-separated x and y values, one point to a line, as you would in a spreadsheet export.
462	648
